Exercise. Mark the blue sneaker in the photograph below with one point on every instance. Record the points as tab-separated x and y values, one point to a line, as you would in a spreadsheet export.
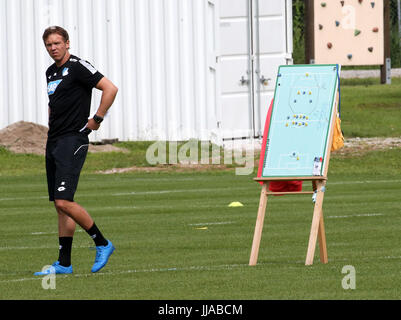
102	256
55	268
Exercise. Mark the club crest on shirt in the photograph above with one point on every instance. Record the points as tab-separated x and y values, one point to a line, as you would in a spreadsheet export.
52	86
65	72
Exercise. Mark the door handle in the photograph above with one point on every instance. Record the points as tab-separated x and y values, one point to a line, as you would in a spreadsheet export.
243	81
264	81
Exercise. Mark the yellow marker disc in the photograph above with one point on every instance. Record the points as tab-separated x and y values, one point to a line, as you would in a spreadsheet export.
201	228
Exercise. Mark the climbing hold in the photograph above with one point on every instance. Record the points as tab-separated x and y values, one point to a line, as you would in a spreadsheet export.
320	27
375	29
360	1
349	56
323	4
370	49
357	32
342	3
337	23
372	4
329	45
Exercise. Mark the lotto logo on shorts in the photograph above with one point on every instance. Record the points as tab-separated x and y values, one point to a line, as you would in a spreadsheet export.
52	86
62	188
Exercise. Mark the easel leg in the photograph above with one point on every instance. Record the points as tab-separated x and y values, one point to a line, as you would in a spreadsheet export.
322	241
259	226
317	227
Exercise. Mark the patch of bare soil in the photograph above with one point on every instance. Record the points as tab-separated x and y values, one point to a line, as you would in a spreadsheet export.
24	137
29	137
359	146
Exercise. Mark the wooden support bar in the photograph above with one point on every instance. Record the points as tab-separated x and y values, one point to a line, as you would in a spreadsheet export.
259	226
315	227
279	193
322	241
310	178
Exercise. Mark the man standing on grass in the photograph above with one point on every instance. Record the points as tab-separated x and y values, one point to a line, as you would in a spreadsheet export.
70	81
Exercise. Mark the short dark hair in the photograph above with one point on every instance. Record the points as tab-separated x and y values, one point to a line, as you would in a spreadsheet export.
56	29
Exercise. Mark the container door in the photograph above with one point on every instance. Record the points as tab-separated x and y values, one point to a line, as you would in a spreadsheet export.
254	41
272	40
235	69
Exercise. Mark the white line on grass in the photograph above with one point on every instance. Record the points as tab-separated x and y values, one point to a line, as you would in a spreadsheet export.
24	198
199	190
192	268
363	181
174	191
210	223
49	233
171	269
356	215
38	247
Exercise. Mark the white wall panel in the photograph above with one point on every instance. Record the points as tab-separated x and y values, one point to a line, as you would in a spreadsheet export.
4	105
155	51
162	54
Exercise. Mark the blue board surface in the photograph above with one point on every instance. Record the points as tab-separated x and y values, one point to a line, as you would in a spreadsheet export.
300	122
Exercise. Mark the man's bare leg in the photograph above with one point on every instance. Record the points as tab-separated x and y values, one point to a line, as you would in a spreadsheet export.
74	211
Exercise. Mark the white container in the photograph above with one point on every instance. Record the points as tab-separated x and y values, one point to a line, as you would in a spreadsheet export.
177	63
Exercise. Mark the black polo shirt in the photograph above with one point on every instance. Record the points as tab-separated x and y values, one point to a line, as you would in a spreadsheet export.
70	92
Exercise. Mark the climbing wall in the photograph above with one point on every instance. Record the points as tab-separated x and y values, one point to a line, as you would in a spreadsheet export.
349	32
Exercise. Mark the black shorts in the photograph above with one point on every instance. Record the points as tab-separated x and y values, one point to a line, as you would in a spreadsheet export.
65	157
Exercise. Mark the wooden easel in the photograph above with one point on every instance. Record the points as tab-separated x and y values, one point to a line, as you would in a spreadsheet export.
317	227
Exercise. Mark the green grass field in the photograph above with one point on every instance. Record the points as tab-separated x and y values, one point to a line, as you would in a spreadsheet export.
176	238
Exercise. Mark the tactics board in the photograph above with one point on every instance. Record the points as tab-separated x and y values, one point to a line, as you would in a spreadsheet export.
300	124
